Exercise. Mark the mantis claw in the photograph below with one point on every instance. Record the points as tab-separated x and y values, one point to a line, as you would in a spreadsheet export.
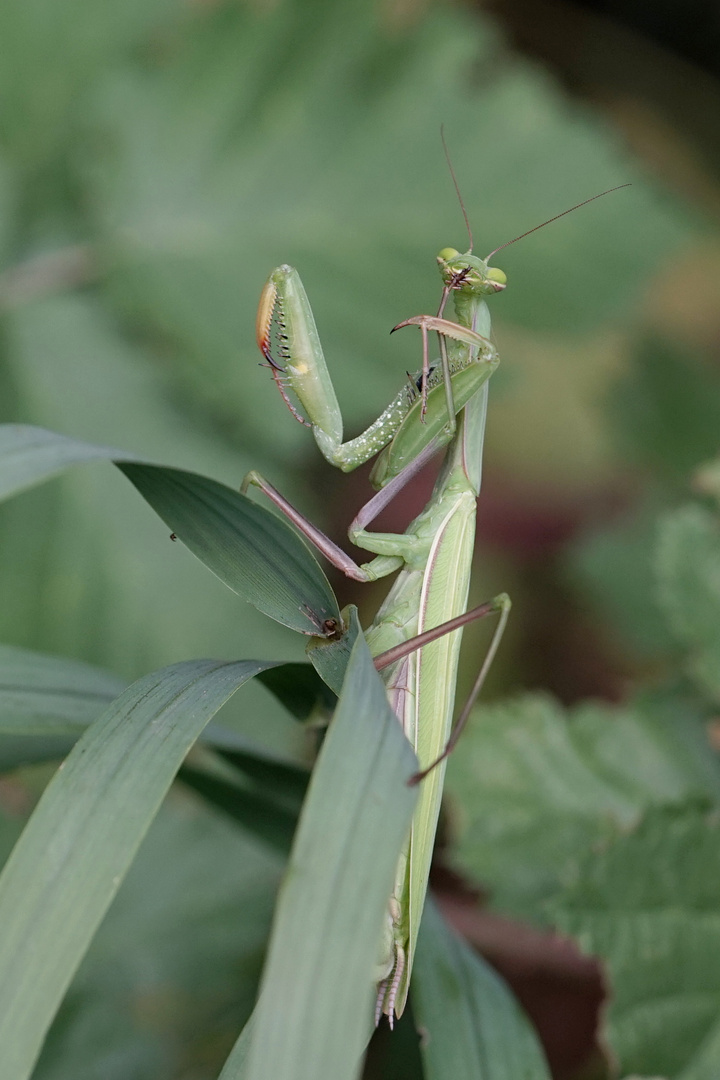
272	364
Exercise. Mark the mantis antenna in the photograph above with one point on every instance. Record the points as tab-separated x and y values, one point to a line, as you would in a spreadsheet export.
457	186
522	236
555	218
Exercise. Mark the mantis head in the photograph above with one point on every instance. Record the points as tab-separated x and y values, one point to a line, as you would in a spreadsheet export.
468	274
471	278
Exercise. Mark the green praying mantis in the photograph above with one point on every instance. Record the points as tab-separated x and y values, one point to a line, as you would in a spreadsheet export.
415	636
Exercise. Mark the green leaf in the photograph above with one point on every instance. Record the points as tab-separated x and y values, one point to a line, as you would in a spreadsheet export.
87	571
319	972
538	786
688	575
53	695
29	455
173	969
249	548
648	903
81	838
471	1024
46	695
47	702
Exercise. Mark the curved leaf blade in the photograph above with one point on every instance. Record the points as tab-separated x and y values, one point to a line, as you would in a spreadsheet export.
471	1022
29	455
319	973
51	695
82	836
47	702
248	547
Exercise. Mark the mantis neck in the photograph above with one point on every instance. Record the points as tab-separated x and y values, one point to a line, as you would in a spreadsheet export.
472	311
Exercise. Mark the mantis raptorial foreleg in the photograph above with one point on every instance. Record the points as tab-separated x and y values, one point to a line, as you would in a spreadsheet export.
300	365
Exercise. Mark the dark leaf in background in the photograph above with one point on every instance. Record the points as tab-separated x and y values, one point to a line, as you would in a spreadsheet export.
667	409
471	1025
688	581
261	816
659	934
299	688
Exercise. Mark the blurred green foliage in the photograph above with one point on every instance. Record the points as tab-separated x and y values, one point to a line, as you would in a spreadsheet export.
156	161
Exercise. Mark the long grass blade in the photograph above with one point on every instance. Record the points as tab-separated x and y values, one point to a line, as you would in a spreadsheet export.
82	836
314	1012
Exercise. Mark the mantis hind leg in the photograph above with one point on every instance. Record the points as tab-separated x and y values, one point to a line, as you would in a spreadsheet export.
499	605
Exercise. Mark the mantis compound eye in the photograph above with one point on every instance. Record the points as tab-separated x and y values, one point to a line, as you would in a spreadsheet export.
447	254
496	276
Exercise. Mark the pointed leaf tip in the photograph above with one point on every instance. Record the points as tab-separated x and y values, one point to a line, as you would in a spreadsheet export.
247	546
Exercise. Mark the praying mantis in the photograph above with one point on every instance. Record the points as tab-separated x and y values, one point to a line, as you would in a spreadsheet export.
415	636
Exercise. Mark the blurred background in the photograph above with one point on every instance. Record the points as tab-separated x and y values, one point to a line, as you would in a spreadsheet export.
157	159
